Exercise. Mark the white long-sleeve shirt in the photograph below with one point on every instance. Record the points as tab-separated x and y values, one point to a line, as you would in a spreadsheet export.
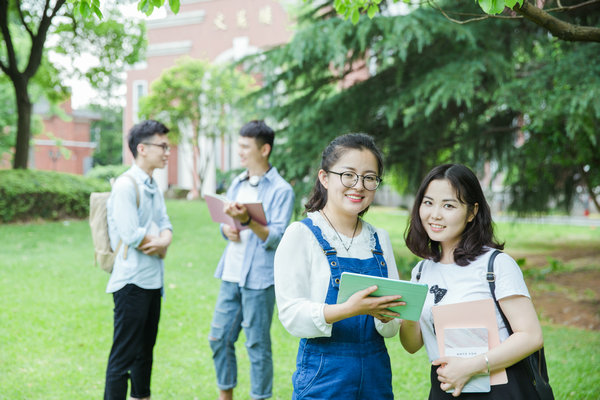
302	275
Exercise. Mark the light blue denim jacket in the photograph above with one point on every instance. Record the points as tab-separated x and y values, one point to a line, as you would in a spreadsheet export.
131	224
277	198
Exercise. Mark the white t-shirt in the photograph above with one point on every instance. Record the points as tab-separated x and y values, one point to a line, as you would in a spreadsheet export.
466	284
234	257
302	275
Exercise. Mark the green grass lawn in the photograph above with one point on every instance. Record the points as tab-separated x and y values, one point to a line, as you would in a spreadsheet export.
56	320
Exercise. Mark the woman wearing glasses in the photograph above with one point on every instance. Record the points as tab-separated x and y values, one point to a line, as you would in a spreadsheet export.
342	353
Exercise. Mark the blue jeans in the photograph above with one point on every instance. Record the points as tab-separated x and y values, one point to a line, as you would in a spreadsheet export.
136	316
238	308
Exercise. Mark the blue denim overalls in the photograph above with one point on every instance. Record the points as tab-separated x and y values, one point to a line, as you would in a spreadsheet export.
353	363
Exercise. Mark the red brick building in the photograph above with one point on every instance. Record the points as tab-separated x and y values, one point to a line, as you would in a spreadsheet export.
215	30
65	144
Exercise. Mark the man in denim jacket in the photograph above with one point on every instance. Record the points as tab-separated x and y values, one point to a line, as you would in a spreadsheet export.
136	281
247	296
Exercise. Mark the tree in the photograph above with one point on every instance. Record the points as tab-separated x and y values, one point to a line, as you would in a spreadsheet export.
25	29
7	115
197	100
87	7
567	28
434	92
108	134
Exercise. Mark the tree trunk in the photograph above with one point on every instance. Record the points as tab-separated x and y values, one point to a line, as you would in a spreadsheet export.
194	193
561	29
589	188
24	110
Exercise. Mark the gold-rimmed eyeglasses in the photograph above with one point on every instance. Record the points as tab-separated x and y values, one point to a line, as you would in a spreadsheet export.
349	179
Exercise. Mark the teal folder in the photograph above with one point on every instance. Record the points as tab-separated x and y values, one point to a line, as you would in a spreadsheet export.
413	294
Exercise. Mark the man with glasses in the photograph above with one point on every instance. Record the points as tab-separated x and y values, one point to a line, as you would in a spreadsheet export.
247	296
140	229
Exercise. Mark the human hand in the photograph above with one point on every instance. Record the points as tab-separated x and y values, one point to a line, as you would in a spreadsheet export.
237	211
378	307
231	233
455	372
154	246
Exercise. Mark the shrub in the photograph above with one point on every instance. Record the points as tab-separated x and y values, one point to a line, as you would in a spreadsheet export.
224	178
107	172
27	194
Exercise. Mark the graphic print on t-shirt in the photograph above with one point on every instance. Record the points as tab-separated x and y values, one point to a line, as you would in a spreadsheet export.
438	292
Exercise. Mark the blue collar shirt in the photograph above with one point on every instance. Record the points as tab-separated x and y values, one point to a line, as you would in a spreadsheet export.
277	197
130	224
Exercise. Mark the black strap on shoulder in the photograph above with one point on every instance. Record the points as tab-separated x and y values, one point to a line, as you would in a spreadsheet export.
491	278
420	269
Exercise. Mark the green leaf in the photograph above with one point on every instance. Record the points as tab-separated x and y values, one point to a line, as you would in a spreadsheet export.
145	7
97	11
174	4
373	9
512	3
492	6
355	16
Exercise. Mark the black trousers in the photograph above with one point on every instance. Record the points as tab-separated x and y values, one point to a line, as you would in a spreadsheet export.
519	387
136	316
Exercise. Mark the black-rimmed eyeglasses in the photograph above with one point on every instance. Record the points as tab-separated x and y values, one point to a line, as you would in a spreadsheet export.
349	179
164	146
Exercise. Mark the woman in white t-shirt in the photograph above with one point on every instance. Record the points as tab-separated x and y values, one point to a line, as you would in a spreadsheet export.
342	353
451	228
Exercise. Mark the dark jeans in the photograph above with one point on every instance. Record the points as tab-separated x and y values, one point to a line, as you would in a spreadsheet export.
137	312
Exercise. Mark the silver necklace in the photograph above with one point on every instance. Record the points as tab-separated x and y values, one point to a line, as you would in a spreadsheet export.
338	235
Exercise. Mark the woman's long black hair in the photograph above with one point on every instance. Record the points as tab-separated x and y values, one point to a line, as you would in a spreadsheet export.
478	233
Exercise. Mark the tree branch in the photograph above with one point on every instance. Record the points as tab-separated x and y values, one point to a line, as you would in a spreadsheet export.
11	69
23	19
474	17
569	8
590	189
38	41
558	28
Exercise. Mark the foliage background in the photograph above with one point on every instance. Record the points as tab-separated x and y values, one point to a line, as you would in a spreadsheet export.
498	91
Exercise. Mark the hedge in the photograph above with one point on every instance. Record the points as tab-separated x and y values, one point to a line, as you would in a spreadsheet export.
30	194
107	172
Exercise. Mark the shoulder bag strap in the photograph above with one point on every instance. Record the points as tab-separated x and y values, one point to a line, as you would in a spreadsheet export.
137	189
491	278
137	202
535	362
420	269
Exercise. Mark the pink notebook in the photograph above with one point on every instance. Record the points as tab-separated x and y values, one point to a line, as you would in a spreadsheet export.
469	314
216	204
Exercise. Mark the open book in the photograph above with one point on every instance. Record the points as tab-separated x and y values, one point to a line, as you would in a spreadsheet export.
468	342
216	203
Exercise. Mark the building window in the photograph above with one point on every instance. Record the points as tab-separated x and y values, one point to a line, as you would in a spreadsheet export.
140	89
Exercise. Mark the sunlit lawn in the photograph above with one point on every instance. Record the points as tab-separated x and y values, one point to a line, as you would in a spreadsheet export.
56	320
